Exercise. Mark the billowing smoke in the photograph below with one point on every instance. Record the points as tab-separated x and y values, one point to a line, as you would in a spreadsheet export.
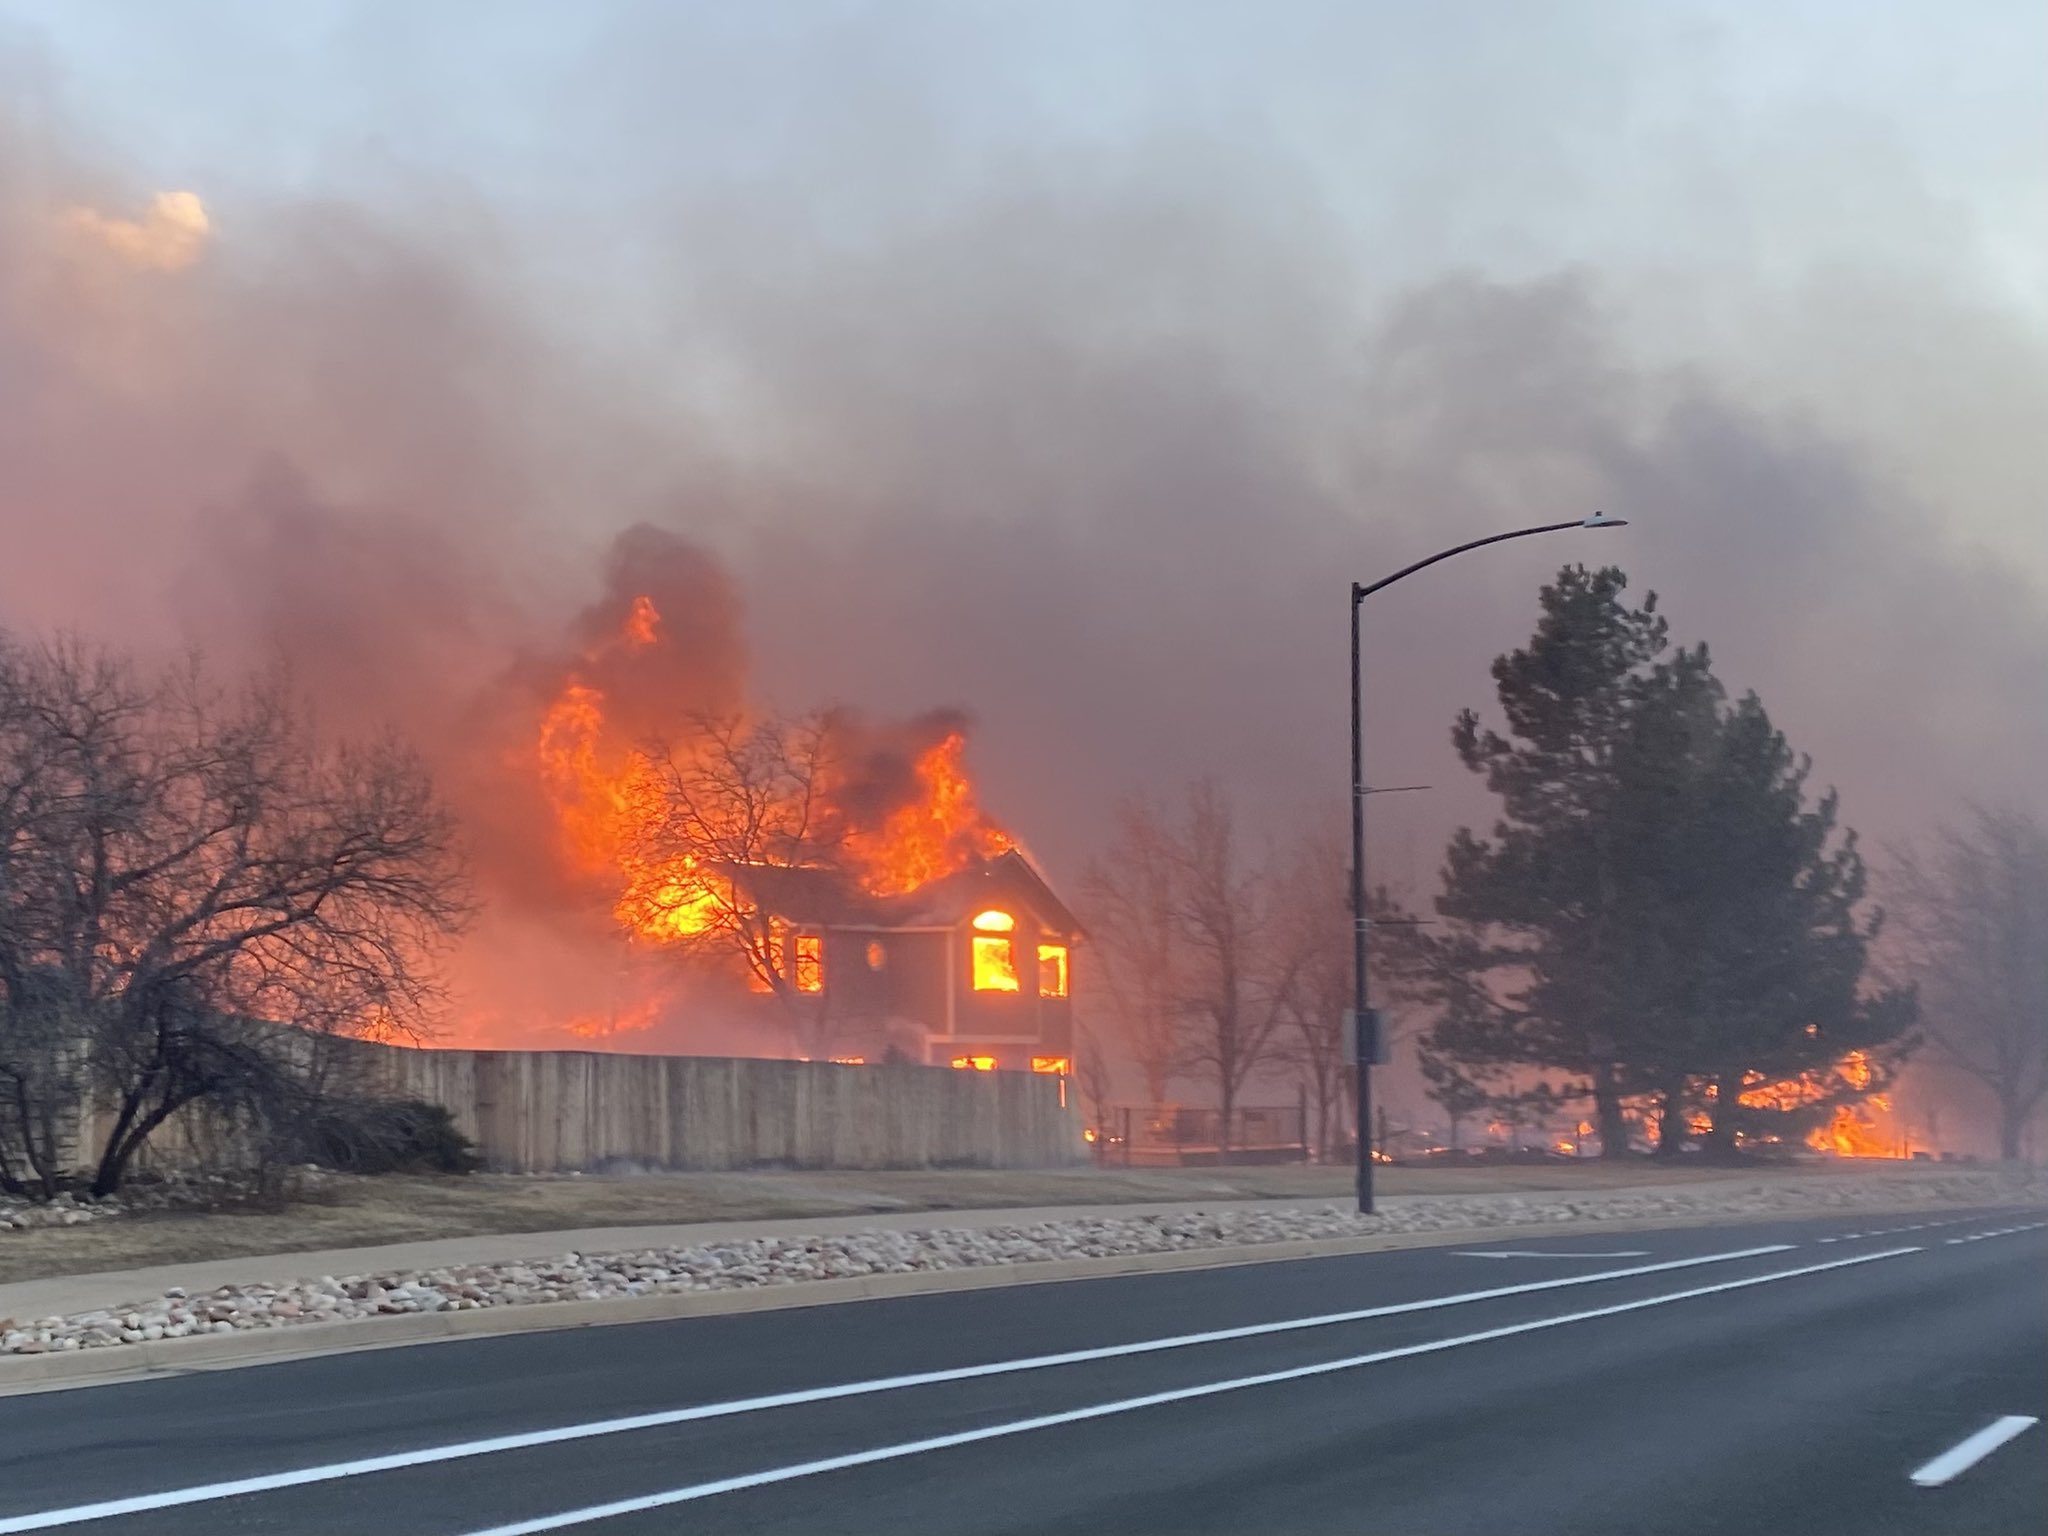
1083	434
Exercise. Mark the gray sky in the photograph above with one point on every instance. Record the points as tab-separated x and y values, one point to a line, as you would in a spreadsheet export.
1063	360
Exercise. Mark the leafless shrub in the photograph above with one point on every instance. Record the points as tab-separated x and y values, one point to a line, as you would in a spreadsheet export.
194	889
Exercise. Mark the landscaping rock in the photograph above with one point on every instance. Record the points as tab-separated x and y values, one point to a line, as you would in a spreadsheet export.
781	1261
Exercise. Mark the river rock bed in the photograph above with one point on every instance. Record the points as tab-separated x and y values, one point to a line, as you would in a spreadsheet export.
793	1260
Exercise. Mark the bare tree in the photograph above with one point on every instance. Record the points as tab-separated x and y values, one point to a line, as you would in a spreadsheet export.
1091	1073
1976	917
1315	933
741	843
193	890
1314	925
1240	963
1131	896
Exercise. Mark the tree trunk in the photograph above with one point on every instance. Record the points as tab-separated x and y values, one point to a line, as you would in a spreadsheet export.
2011	1121
122	1147
1608	1112
1720	1138
1671	1126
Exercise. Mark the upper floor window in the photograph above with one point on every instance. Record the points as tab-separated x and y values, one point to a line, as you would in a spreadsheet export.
1052	970
807	964
995	953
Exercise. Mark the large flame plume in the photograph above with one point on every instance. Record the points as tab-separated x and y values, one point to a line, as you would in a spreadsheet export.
897	800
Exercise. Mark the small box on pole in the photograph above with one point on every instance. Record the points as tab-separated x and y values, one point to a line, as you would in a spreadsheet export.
1372	1038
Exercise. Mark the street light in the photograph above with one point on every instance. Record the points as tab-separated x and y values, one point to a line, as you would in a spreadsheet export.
1366	1034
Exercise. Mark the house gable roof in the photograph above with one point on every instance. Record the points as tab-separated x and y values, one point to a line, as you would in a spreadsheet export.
1007	879
824	898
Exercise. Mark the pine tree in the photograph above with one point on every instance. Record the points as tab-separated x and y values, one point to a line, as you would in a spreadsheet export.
1536	967
1661	909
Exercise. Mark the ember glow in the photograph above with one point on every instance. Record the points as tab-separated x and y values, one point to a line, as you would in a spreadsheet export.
634	1017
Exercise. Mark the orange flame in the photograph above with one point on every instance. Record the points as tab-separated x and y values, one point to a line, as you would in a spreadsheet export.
606	796
621	1021
933	835
1851	1130
1853	1134
603	797
643	624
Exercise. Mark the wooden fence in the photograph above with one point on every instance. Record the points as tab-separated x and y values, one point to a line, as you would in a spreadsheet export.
558	1111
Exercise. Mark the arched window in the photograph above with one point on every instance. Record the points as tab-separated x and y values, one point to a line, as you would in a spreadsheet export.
995	953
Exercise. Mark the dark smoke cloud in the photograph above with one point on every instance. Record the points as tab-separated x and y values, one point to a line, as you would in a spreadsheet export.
1086	444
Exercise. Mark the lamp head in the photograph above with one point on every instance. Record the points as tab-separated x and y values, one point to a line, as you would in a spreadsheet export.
1602	520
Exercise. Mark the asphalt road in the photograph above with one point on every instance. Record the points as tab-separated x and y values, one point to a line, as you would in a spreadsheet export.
1741	1379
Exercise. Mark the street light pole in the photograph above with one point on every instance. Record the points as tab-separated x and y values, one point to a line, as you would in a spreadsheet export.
1364	1026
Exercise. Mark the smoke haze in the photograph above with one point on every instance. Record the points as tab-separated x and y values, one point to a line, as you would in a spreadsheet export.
1059	364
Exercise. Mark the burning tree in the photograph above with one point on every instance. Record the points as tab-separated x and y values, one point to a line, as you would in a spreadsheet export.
733	839
735	804
193	890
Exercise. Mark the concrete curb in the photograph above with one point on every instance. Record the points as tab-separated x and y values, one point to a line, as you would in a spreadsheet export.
24	1374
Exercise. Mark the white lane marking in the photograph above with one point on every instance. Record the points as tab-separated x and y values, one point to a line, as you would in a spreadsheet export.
1978	1237
896	1452
205	1493
1958	1459
1536	1253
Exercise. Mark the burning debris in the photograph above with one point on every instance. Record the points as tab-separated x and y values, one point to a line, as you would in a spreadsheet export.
1849	1095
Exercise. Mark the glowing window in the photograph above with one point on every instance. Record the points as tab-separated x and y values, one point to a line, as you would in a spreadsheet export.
974	1063
877	956
850	1061
1052	970
995	964
809	962
995	922
1061	1064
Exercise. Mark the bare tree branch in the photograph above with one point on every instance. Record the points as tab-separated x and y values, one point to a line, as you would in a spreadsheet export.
192	889
1974	913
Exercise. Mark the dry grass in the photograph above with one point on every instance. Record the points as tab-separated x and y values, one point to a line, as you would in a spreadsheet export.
356	1212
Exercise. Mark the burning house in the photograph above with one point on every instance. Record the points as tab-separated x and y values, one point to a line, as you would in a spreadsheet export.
972	969
823	885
